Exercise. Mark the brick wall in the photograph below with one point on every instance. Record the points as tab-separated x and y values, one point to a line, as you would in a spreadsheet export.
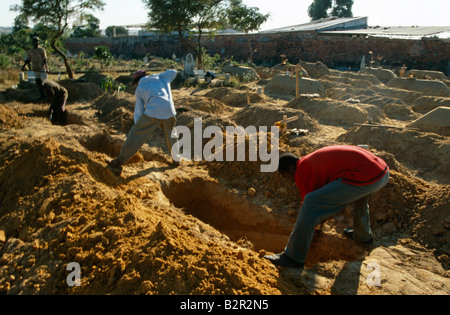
333	50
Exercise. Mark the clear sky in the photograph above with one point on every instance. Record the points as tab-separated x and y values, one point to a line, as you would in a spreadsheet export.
283	12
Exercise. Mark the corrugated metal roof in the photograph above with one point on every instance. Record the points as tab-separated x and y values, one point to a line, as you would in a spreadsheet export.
419	31
356	26
333	23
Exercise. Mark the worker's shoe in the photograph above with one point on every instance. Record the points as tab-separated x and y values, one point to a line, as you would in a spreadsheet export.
349	232
115	166
282	260
176	163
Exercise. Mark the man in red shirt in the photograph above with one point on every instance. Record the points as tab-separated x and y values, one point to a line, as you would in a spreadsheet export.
328	180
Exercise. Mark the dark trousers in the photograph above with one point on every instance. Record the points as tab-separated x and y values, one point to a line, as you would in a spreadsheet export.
58	114
325	202
40	86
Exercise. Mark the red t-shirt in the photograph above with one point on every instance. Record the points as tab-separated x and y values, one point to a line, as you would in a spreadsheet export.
355	165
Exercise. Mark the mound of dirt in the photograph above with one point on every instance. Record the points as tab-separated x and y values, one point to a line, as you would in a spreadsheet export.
281	68
234	97
315	69
427	87
220	93
406	96
125	79
384	75
204	104
243	73
426	104
285	85
78	90
412	148
9	118
188	120
93	77
329	111
386	94
393	107
426	74
356	79
117	110
399	112
438	120
22	95
81	91
267	115
78	211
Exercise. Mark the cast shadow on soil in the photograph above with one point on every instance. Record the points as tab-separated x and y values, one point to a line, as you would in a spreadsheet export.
29	95
102	174
309	282
146	172
347	281
327	248
98	171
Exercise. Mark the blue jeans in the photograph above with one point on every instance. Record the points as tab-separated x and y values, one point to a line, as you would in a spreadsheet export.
325	202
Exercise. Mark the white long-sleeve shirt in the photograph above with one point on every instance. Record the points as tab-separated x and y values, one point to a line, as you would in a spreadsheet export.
154	96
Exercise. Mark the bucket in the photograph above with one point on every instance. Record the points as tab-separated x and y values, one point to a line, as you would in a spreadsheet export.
31	77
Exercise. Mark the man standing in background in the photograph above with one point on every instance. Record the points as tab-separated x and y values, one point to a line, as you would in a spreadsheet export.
37	57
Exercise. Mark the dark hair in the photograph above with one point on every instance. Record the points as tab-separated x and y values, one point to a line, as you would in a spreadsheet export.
286	161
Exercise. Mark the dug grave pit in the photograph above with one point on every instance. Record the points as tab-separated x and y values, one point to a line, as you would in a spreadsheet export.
249	223
234	216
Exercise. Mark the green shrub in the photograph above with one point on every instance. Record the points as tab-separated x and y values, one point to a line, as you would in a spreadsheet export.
232	81
103	54
111	85
4	61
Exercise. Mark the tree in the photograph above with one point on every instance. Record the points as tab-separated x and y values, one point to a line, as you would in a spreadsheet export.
342	8
90	29
103	54
245	19
209	17
19	40
43	31
171	16
120	30
16	43
20	22
183	15
320	9
56	15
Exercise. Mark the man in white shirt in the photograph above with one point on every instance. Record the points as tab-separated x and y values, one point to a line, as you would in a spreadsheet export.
154	107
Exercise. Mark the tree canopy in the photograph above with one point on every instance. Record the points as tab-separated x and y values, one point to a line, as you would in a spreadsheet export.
244	18
90	27
199	16
182	16
320	9
56	14
120	30
342	8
